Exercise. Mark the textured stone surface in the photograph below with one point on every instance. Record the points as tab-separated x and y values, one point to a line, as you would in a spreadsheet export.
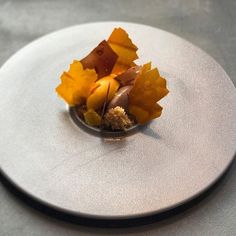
208	24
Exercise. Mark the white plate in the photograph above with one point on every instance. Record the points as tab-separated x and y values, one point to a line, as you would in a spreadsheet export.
169	162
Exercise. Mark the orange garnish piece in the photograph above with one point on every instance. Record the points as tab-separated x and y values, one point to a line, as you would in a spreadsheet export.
148	89
122	45
76	84
97	98
92	118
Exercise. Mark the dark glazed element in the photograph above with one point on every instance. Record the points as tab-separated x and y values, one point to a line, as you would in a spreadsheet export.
128	77
121	99
102	59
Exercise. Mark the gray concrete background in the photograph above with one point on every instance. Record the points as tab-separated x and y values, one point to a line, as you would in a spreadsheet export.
209	24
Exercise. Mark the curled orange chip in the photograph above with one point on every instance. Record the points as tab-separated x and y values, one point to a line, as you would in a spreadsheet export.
148	89
122	45
76	84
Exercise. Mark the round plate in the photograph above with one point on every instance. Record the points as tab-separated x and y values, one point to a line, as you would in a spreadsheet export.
165	164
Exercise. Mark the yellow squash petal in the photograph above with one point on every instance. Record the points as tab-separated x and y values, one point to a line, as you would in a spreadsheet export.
67	90
92	118
122	45
148	89
76	84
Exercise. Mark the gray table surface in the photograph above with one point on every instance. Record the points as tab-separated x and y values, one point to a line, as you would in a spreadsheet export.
209	24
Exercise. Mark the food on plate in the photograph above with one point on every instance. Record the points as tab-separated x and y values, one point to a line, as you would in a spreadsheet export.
109	90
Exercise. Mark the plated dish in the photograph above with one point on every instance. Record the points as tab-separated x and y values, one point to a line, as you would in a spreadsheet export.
108	90
168	162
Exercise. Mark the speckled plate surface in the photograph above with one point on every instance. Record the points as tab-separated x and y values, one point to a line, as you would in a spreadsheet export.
162	165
